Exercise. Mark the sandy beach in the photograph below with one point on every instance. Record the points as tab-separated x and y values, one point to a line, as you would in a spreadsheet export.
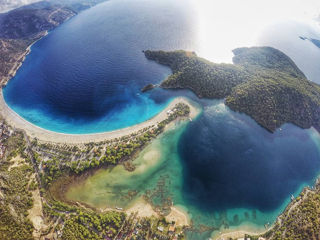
143	209
239	232
179	216
41	134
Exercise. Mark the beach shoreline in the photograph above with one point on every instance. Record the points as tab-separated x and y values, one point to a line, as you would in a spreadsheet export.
144	209
239	232
33	131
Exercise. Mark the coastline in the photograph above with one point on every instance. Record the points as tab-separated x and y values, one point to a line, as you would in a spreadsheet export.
16	66
22	58
143	209
44	135
139	207
240	231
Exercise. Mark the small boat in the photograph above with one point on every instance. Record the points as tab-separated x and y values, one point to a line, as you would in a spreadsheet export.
119	208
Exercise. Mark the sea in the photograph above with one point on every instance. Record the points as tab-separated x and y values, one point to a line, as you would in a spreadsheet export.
222	169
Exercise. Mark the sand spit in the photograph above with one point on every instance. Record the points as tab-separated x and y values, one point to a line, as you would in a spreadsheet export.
41	134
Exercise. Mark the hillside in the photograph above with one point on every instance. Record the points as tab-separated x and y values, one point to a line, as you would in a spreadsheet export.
23	26
262	82
300	220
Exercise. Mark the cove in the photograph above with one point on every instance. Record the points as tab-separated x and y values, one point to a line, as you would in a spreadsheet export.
86	75
223	169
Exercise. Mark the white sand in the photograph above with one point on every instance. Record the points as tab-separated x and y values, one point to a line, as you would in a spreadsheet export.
179	216
239	232
144	209
49	136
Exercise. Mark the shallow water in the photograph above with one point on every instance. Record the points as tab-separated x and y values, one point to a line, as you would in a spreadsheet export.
223	168
106	187
86	75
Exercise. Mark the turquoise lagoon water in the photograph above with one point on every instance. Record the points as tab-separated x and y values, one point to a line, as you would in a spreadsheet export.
222	168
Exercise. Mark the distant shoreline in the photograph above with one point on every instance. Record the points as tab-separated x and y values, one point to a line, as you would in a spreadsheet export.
44	135
12	73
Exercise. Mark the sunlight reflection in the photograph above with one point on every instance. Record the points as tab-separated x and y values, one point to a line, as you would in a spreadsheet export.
225	25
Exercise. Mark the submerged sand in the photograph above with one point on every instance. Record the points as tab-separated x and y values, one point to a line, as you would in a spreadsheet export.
41	134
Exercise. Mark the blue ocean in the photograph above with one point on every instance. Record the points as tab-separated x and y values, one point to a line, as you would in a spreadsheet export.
86	77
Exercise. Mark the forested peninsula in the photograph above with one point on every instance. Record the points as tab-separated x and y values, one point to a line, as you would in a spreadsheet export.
262	82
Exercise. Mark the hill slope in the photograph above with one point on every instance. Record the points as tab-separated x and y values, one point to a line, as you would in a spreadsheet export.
262	82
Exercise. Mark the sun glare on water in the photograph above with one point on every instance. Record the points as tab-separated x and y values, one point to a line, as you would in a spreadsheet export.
228	24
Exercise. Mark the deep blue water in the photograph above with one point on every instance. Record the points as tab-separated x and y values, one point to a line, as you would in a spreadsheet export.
86	75
231	162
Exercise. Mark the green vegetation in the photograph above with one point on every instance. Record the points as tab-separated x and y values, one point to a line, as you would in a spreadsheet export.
72	160
92	226
263	82
15	191
27	167
21	27
148	88
300	220
206	79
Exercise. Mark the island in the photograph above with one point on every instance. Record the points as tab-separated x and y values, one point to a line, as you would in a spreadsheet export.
37	165
262	82
148	88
